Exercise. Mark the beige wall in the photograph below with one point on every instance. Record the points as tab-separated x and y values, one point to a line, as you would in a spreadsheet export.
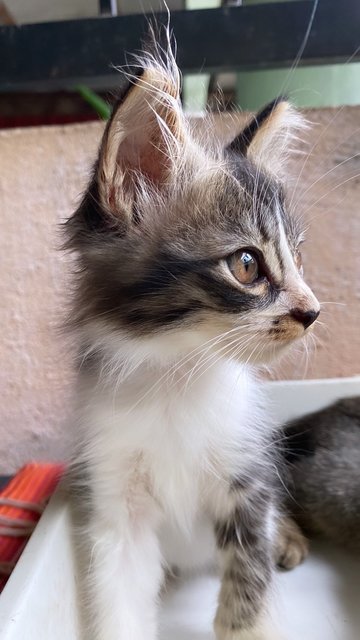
42	173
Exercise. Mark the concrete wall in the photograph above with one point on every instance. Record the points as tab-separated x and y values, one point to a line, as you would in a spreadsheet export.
42	173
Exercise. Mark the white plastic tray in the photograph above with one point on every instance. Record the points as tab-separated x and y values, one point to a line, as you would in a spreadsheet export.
320	600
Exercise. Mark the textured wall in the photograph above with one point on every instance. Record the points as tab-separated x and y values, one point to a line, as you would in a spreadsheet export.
42	173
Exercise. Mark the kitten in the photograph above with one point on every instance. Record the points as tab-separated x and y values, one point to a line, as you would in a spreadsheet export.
323	461
189	276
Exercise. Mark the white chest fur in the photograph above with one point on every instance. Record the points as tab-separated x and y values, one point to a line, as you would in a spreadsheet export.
171	438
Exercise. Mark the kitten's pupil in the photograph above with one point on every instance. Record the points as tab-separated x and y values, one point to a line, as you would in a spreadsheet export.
244	267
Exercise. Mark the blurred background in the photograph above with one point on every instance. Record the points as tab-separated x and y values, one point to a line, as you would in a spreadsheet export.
57	83
28	101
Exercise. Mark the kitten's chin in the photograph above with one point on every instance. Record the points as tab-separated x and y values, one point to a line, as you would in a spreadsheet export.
270	353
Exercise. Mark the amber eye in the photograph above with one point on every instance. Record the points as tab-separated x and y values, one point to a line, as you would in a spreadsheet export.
244	266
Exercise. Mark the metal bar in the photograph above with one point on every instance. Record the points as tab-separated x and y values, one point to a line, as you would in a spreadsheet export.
62	54
108	7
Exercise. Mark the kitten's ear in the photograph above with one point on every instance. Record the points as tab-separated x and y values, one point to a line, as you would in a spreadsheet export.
141	142
267	139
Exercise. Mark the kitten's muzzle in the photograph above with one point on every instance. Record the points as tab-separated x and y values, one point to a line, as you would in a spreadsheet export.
306	318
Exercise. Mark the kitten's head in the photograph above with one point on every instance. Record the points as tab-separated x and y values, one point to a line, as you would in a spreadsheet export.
184	244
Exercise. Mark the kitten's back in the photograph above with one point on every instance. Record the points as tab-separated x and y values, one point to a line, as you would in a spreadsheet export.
323	462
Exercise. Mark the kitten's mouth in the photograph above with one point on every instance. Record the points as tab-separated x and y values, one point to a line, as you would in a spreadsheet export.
273	341
286	335
288	329
275	348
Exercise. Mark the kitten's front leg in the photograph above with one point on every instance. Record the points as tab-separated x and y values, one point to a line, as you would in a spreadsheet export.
290	545
242	528
119	564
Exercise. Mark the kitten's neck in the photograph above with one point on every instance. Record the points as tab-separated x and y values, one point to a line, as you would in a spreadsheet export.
130	366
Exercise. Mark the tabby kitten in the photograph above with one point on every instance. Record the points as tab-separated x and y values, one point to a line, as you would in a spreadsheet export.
189	275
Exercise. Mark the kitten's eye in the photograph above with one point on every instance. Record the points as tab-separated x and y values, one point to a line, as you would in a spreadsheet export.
244	266
298	261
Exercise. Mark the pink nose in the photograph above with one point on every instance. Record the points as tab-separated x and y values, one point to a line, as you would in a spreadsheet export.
305	317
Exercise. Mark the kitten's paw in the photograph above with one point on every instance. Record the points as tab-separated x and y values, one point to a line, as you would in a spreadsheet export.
291	547
228	633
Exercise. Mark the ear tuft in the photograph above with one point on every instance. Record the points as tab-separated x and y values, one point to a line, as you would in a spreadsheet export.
143	138
268	138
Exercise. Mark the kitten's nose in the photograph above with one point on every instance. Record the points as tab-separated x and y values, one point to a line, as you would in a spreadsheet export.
305	317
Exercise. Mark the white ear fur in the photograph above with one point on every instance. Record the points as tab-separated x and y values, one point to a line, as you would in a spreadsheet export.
142	139
274	138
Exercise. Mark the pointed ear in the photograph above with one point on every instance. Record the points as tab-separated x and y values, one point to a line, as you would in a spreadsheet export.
267	139
141	141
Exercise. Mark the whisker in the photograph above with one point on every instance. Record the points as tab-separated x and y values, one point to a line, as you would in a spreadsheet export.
339	304
303	194
219	354
337	186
